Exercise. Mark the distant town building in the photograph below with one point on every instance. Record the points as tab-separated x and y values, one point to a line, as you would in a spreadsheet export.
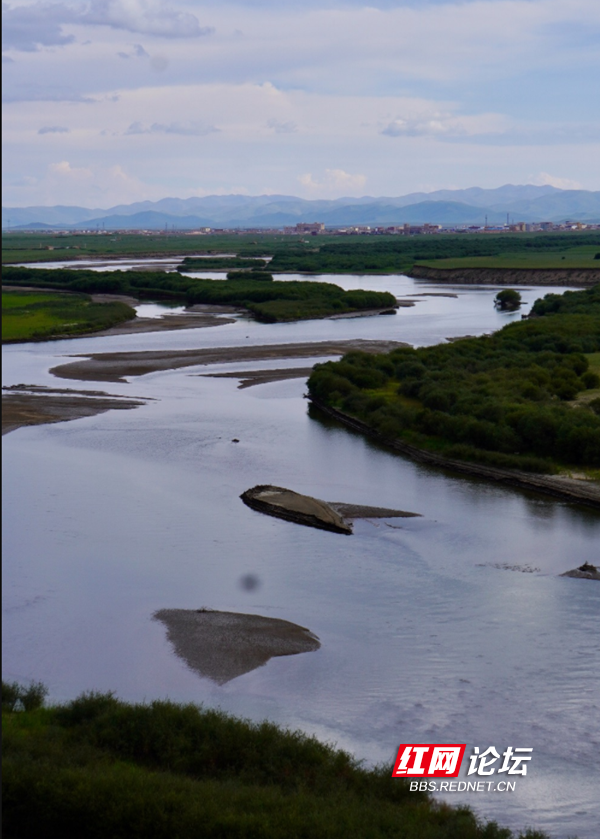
313	228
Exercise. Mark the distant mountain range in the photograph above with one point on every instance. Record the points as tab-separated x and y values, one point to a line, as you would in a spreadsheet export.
448	207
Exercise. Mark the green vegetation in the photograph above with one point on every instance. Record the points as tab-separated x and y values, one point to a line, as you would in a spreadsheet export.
267	301
555	258
501	400
388	254
30	316
508	299
97	767
49	247
319	254
220	263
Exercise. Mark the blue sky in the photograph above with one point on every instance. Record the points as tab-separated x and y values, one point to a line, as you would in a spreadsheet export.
113	101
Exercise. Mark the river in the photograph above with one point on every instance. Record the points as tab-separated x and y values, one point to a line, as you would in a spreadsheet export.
453	627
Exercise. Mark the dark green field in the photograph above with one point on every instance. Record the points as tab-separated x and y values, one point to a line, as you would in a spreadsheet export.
100	768
522	398
34	316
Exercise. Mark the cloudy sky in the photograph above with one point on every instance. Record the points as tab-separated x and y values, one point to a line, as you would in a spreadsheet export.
113	101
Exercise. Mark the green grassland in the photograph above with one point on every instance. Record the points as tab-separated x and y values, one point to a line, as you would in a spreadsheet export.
98	767
570	258
31	316
522	398
267	300
52	247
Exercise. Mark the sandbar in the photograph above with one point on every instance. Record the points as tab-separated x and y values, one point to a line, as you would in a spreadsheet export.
114	367
35	405
224	645
250	378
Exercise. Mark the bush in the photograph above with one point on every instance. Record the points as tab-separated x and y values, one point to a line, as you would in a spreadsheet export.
28	698
508	298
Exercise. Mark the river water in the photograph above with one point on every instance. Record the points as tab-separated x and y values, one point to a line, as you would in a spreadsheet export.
449	628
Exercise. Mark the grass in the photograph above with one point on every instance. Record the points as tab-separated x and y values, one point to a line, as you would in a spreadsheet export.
98	767
35	247
570	258
31	316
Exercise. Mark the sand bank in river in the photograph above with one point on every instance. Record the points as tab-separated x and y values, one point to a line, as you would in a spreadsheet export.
224	645
114	367
36	405
185	320
250	378
304	509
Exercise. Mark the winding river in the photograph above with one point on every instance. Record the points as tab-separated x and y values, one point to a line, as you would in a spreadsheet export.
452	627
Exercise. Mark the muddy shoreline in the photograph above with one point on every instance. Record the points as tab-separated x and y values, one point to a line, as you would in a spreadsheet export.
567	489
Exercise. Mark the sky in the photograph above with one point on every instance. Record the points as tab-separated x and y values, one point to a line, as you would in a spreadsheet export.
114	101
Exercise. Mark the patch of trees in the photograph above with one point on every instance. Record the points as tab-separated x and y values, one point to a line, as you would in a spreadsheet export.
501	399
395	253
571	302
212	263
268	300
508	299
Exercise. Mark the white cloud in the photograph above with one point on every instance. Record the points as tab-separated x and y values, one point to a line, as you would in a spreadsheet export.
150	17
282	127
334	181
544	179
444	125
192	129
92	185
29	27
26	28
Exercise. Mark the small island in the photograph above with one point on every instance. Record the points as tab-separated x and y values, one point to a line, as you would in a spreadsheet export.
312	512
587	571
224	645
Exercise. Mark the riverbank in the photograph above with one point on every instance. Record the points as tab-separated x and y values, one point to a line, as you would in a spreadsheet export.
568	489
579	277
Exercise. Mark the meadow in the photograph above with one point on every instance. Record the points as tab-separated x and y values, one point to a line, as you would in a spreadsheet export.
32	316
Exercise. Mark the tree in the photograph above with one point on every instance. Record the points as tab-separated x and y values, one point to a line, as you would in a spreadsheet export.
508	299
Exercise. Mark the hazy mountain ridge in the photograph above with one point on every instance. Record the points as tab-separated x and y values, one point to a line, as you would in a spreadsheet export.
527	203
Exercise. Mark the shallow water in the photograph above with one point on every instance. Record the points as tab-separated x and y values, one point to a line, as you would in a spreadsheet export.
453	627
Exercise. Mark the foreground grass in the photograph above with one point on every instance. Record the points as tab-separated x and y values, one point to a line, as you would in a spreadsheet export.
98	767
31	316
